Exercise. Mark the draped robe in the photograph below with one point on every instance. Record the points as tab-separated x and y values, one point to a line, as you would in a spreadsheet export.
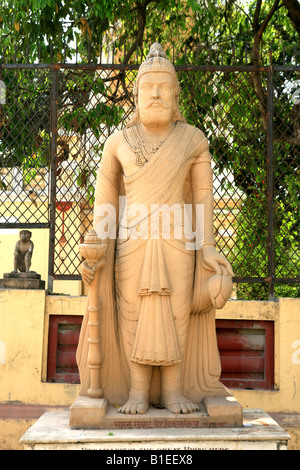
155	307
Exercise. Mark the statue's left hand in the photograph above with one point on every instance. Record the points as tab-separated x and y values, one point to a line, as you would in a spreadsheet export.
214	261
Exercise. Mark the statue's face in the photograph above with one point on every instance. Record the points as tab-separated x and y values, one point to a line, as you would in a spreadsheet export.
25	235
156	99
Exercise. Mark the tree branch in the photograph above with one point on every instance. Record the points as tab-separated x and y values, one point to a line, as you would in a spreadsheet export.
242	9
256	16
265	23
258	31
141	16
293	8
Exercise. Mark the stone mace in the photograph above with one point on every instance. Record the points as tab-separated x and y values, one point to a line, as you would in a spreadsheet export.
93	251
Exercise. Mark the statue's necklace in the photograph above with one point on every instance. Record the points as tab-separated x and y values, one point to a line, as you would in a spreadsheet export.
142	148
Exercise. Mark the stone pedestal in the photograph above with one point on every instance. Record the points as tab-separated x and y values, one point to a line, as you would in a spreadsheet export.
93	413
258	432
29	280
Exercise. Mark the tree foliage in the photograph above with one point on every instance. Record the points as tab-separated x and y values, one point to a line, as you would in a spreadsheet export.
55	24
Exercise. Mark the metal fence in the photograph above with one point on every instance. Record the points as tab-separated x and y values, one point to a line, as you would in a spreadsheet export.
55	118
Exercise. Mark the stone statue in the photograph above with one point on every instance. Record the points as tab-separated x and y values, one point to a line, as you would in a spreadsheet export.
161	277
21	277
23	252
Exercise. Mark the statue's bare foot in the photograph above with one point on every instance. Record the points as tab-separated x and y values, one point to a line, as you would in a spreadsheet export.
133	408
177	403
137	404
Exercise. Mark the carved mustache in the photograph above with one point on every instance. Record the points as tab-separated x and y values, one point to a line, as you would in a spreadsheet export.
161	103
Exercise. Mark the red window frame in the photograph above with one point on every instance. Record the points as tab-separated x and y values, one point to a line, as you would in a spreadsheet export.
62	345
244	365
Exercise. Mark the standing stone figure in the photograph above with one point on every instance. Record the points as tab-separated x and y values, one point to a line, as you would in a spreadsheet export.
161	282
23	252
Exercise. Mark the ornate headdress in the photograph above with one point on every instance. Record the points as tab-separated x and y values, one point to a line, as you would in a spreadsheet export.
156	61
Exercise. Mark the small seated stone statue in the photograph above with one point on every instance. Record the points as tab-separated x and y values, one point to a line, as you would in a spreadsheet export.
23	252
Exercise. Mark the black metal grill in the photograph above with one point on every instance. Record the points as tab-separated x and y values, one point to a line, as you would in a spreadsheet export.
25	157
56	118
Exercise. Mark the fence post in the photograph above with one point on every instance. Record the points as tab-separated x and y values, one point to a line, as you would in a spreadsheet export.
53	160
270	181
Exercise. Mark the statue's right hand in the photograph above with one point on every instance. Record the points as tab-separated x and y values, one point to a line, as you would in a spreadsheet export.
87	272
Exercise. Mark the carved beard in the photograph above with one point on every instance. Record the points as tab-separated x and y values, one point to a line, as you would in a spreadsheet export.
154	116
135	118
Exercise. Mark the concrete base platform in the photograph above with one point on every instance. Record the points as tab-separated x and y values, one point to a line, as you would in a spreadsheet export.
258	432
93	413
29	280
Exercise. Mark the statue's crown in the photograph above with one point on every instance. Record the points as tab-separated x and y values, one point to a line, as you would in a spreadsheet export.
156	61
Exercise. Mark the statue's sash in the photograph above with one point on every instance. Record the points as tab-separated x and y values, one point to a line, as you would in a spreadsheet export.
165	166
